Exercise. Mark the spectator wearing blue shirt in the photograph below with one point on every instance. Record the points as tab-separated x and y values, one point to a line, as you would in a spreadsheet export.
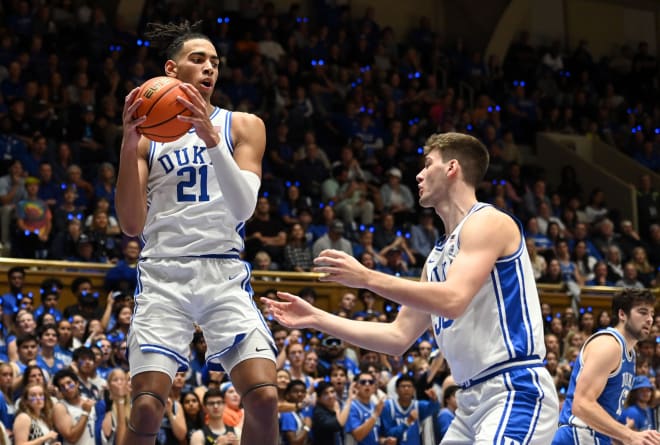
50	290
410	421
123	276
105	186
638	412
10	300
363	422
648	156
46	357
49	188
294	426
423	235
447	413
35	154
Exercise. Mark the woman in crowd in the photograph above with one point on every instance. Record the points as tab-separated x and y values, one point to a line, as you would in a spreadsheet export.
297	252
233	413
585	263
192	410
646	273
34	421
118	406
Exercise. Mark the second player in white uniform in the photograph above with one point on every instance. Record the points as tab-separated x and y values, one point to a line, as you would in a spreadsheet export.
478	290
504	355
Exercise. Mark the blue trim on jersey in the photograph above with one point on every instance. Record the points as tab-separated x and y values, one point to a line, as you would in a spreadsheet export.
152	153
500	313
182	361
138	287
504	367
510	294
227	132
214	113
222	256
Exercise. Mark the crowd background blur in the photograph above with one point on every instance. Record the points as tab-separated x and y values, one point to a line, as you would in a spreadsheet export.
348	103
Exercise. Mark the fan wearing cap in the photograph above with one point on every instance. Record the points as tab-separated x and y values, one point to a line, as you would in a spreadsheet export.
397	197
334	239
638	413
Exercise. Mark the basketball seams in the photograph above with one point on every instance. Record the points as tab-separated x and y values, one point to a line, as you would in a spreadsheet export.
166	112
163	94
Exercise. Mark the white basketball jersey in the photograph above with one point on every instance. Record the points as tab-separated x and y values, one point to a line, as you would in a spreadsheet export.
187	214
502	326
76	413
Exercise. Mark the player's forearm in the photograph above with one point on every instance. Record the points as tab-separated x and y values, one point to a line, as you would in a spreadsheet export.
239	187
130	199
432	297
593	414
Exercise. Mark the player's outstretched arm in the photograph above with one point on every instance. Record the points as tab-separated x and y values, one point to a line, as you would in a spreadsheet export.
601	357
131	194
486	236
391	338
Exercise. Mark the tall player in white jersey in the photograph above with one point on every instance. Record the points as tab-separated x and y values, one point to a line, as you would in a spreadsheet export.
477	290
189	200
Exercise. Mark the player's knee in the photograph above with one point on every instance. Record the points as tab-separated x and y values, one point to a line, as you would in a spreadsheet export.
146	413
261	400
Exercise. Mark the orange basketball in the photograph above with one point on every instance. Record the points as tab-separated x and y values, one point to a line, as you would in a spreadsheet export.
160	106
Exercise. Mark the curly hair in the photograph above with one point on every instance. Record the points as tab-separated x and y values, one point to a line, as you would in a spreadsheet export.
170	37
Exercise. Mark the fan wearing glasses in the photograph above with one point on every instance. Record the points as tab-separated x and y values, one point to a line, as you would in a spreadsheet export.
363	422
215	432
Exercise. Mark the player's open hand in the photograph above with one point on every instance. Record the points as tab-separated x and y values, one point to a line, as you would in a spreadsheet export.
292	312
340	268
200	116
646	437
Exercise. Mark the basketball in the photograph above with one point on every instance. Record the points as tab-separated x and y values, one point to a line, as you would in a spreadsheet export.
161	108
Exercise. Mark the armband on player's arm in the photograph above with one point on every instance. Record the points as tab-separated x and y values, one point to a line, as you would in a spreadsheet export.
239	187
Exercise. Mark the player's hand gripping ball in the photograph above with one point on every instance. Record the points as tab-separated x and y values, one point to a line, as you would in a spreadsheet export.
161	108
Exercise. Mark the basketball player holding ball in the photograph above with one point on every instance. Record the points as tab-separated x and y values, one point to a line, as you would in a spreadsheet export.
189	200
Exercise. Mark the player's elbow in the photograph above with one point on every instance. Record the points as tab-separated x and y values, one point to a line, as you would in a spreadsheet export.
129	230
580	408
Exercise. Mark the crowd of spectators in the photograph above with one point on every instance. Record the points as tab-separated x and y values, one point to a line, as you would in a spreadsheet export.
348	105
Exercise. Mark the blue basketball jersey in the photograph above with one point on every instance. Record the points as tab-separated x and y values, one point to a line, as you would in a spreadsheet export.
502	326
393	422
187	214
615	392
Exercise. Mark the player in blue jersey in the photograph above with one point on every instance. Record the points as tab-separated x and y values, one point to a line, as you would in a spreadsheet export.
603	376
477	290
410	421
189	200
